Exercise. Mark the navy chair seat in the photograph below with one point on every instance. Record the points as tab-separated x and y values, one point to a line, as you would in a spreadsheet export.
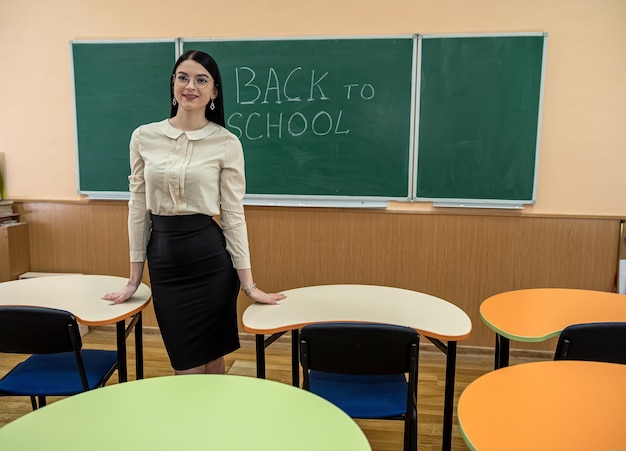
58	374
362	396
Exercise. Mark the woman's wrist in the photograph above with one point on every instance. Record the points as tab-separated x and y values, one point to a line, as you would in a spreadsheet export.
249	289
133	284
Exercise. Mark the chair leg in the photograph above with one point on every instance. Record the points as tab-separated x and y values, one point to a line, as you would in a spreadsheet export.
406	446
410	433
42	401
33	402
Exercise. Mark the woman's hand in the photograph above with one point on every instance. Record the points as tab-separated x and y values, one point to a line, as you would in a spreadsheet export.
123	295
262	297
249	287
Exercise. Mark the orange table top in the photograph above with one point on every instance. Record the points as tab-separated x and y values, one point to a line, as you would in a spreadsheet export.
568	405
538	314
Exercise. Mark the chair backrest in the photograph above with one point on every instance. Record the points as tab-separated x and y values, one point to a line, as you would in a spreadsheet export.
38	330
600	342
359	348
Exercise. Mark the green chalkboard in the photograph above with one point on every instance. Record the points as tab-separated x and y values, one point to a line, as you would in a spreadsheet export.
455	120
328	117
479	115
117	86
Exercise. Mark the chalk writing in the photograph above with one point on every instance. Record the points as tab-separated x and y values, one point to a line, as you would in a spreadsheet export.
254	89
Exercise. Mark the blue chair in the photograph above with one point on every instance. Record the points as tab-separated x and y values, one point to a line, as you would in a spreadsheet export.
362	368
599	342
58	365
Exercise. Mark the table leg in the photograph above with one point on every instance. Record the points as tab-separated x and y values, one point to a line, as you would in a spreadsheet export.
501	358
139	347
448	403
496	354
260	356
261	344
122	370
295	357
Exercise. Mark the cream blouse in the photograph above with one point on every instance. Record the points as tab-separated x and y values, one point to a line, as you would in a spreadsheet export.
175	172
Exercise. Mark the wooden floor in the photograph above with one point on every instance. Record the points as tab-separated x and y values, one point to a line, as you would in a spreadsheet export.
382	435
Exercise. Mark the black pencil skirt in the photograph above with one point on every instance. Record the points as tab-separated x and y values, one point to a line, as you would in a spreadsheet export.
194	289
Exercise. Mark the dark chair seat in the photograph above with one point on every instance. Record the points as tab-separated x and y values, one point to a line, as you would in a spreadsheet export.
62	377
362	396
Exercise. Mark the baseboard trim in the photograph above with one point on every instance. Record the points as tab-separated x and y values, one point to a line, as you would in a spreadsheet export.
425	346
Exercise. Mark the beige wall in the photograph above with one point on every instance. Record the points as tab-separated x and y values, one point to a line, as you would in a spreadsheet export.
582	155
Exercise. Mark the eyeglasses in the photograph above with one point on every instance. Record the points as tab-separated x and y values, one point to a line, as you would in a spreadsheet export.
200	82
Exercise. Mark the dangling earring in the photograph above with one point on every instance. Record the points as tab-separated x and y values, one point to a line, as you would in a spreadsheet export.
174	101
212	106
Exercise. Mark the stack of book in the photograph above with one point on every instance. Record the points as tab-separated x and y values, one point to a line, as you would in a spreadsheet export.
6	213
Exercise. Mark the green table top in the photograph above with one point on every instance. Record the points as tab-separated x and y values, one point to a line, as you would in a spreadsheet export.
193	412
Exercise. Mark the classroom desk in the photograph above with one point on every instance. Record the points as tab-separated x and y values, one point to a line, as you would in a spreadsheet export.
82	296
554	405
432	317
537	314
192	412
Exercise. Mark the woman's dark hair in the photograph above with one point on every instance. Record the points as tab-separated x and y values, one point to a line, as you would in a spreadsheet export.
216	115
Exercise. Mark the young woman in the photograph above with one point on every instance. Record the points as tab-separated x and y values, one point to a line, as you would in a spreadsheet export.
185	170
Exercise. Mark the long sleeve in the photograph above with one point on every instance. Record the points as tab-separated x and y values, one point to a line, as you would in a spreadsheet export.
138	218
232	191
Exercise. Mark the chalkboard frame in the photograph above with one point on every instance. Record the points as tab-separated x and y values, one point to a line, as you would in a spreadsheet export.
480	202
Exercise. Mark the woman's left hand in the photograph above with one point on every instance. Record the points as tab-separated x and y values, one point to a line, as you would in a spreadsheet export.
262	297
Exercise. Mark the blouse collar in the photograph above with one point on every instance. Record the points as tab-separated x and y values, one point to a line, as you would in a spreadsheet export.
192	135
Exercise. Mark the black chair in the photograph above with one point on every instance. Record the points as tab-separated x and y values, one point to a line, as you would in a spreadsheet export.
600	342
362	368
58	366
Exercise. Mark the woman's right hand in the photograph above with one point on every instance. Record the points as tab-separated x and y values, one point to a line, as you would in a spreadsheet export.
123	295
